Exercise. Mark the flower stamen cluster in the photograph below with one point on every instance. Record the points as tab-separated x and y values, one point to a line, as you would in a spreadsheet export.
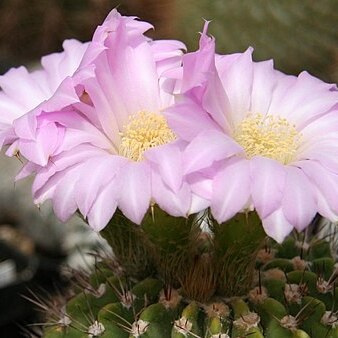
269	136
145	130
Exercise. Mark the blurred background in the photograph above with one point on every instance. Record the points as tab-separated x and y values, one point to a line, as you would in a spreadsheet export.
34	246
297	34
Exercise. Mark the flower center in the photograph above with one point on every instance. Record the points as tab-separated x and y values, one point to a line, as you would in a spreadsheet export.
144	130
269	136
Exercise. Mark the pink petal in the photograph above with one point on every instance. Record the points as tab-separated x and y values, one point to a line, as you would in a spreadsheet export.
277	226
164	49
10	109
325	181
64	204
135	86
108	120
169	163
104	206
198	204
197	64
201	184
46	191
62	162
26	125
167	54
237	83
231	190
94	175
268	180
323	153
27	170
322	127
298	205
60	65
324	207
174	203
208	147
264	82
7	136
309	98
65	95
110	26
47	140
78	130
20	86
283	85
188	119
135	193
216	102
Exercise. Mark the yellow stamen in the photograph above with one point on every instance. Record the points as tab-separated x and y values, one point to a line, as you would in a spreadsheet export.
269	136
145	130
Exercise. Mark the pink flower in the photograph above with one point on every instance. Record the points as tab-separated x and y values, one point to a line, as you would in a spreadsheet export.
116	148
258	139
24	92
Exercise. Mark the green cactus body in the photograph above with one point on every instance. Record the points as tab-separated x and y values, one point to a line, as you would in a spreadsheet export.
215	326
282	263
188	325
59	332
293	295
116	319
246	322
146	292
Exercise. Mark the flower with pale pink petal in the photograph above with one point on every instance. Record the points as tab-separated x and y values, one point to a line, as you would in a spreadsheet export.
117	150
258	139
25	92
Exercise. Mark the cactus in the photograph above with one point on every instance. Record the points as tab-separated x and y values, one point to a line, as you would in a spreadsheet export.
228	282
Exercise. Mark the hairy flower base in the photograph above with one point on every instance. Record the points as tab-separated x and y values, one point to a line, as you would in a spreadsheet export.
269	136
144	131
